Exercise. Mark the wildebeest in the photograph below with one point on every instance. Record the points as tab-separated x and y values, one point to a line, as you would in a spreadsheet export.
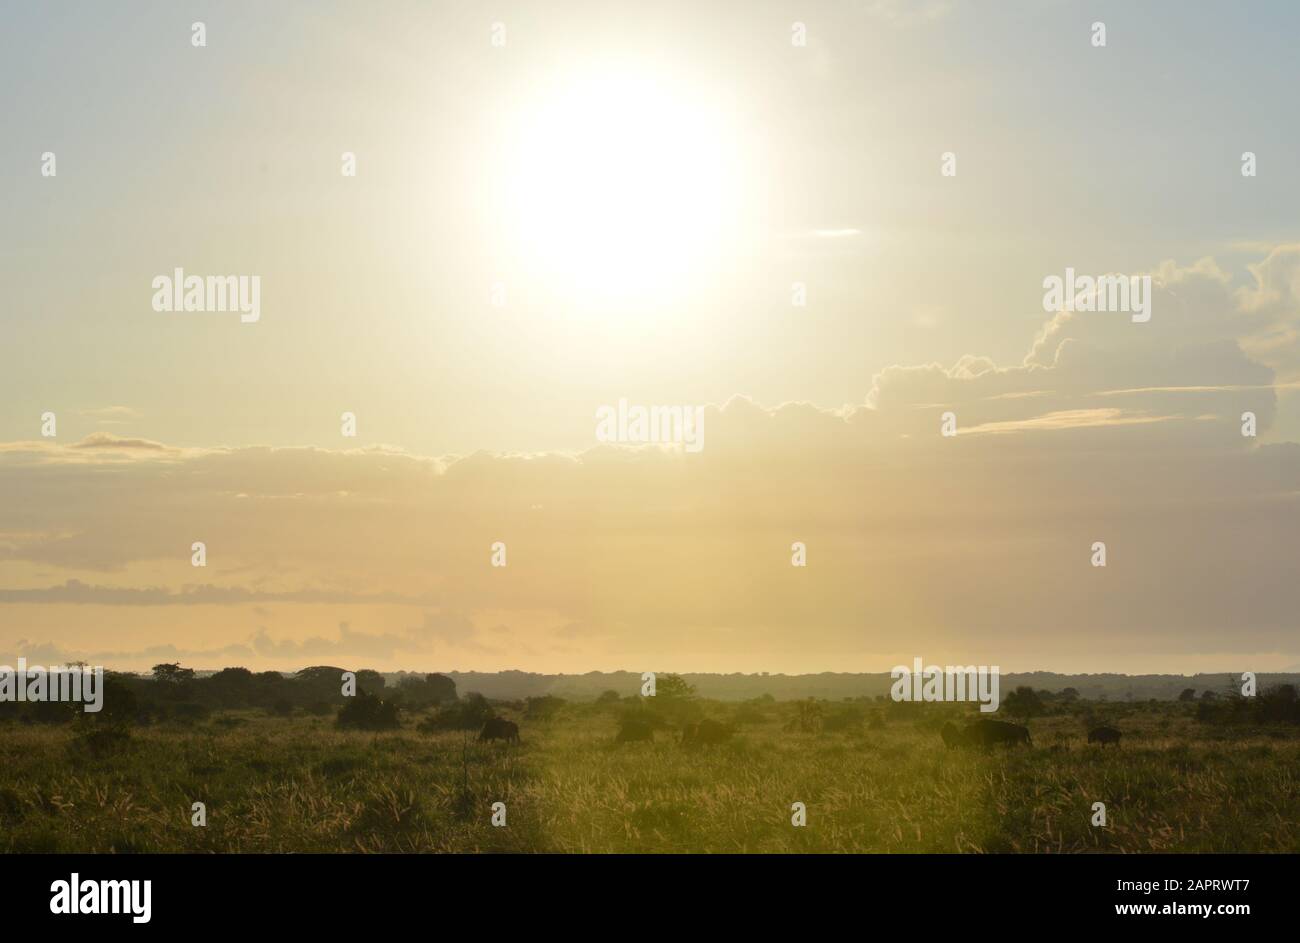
498	728
633	728
985	733
1104	735
705	732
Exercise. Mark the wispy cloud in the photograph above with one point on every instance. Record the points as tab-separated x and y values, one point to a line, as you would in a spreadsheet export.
1066	419
111	415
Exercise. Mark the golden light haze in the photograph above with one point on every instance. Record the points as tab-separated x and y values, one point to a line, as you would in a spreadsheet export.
623	207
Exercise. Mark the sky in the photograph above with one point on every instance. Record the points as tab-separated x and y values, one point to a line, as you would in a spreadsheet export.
560	206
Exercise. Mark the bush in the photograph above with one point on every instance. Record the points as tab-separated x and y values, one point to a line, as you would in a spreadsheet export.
101	741
471	713
632	728
187	712
121	706
543	708
1277	705
642	714
368	712
429	690
53	712
848	718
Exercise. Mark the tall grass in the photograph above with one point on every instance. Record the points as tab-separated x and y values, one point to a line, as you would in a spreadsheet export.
300	784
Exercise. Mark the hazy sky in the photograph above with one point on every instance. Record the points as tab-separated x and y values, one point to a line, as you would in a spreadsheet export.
642	184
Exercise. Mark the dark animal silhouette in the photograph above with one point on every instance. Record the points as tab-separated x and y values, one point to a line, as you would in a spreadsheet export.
705	732
985	733
634	728
1104	735
498	728
952	737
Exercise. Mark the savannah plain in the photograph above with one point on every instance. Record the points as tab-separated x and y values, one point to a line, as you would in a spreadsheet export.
874	776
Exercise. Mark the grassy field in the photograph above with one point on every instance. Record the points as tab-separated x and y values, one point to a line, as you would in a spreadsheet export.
299	784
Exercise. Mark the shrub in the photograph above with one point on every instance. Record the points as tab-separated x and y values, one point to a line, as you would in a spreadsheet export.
53	712
543	708
841	720
632	728
471	713
426	691
368	712
101	741
187	712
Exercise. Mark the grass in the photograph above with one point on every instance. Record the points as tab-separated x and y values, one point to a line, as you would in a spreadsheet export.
274	784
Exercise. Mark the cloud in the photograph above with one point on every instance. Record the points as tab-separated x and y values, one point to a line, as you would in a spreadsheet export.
359	644
111	415
908	12
51	653
973	547
262	647
454	627
106	440
1065	419
1188	362
79	593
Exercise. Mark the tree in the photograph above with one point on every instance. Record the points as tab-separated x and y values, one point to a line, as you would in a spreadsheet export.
469	713
441	688
319	683
120	703
673	688
809	716
320	673
1278	705
368	712
431	689
229	687
1189	694
1023	702
674	700
172	674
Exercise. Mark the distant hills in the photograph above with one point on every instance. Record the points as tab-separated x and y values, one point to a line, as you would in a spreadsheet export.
513	685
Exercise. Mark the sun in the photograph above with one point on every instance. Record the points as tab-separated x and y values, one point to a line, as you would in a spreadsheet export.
619	186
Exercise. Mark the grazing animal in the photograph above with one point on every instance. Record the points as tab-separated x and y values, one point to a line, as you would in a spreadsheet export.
705	732
986	733
634	729
1104	735
498	728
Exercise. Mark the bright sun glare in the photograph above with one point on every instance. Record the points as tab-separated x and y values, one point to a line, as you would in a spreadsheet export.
619	187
